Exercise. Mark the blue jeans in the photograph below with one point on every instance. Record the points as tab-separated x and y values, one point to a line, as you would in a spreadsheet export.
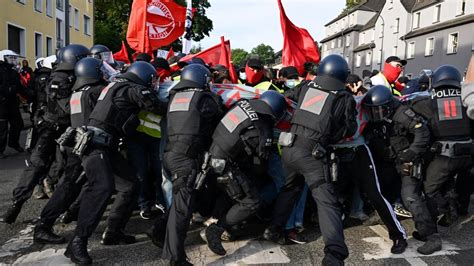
167	184
143	153
297	215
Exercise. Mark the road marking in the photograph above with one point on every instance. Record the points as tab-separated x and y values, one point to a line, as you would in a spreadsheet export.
22	241
410	254
239	253
48	256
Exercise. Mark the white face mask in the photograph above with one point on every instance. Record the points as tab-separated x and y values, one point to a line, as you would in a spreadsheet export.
242	75
290	83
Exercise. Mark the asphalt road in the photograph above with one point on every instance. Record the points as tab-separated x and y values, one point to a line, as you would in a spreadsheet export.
367	245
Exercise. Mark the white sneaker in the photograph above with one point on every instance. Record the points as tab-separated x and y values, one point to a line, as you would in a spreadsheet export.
401	211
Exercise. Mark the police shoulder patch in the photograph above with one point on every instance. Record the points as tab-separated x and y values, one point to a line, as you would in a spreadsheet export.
409	113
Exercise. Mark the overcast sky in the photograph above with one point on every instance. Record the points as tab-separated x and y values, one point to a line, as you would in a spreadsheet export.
248	23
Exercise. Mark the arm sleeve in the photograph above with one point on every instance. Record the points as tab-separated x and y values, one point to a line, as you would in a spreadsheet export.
417	126
147	100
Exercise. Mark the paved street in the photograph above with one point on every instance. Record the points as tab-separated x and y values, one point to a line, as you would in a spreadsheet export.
367	245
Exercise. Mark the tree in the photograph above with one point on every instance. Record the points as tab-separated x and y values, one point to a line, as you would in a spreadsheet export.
239	55
111	22
265	52
352	3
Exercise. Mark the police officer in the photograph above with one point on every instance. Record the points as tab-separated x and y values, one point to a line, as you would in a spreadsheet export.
86	90
235	150
451	129
56	120
192	116
113	117
325	114
11	122
103	53
409	139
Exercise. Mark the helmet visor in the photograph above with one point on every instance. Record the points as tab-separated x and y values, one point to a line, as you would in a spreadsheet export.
11	59
378	113
108	71
107	57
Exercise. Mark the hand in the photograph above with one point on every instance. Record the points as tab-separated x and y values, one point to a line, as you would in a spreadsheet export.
406	168
407	155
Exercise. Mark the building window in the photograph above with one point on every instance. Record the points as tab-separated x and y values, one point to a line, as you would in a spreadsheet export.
358	60
394	50
368	58
352	19
39	5
416	20
348	40
49	8
16	39
362	38
59	35
333	43
76	18
339	42
453	43
71	16
429	47
60	5
411	50
87	25
461	7
38	45
390	4
49	46
437	13
396	25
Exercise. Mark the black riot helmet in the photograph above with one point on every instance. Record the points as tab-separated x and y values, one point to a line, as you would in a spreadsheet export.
334	66
103	53
142	73
379	103
194	76
89	68
73	53
276	102
446	75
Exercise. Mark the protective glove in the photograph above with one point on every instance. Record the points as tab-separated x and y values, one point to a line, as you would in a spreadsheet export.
406	168
264	147
407	156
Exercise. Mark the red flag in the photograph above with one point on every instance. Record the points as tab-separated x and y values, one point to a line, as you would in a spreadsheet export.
211	55
154	23
122	55
298	45
225	60
170	53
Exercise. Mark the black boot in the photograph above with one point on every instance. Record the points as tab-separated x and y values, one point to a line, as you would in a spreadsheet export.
213	239
274	234
44	235
116	237
416	235
12	213
77	251
69	216
399	246
332	260
432	244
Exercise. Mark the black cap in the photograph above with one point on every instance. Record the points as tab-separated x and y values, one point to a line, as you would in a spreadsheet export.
396	59
161	63
403	79
255	63
219	68
289	72
143	57
352	78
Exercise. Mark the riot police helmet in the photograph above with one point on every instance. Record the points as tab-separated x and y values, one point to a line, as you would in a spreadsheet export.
142	73
73	53
276	102
103	53
334	66
9	57
379	103
446	75
194	76
89	68
39	62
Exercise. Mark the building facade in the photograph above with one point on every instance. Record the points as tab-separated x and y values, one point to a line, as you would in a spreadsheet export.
38	28
427	33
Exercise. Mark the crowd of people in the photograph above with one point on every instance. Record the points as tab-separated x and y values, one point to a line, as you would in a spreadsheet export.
157	137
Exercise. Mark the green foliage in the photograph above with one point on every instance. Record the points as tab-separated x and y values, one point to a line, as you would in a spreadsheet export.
265	52
238	56
196	49
352	3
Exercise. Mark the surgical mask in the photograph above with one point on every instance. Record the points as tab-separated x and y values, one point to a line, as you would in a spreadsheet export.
242	76
290	83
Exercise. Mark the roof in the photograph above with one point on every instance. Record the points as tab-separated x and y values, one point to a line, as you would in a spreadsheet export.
424	3
371	22
367	5
364	47
341	33
408	4
439	26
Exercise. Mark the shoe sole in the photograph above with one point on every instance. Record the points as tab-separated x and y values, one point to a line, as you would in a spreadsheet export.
404	215
429	253
297	242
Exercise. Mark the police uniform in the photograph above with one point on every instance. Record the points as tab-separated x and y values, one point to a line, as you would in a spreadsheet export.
324	115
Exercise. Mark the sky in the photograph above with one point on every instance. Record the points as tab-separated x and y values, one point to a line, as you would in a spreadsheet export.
248	23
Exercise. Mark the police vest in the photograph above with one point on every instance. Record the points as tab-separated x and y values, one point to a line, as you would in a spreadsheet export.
80	109
450	119
149	124
228	131
59	90
314	109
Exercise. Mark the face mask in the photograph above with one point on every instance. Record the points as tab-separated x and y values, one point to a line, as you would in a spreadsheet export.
391	73
242	76
252	76
290	83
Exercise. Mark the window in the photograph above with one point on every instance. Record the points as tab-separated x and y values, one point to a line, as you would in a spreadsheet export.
368	58
49	46
390	4
49	8
437	13
348	40
38	45
333	43
352	19
394	50
339	42
429	47
416	20
358	60
71	16
60	5
76	18
59	38
461	7
396	25
453	43
39	5
87	25
411	50
362	38
16	39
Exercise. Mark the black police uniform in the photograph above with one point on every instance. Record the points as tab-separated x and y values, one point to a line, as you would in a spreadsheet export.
325	114
192	116
9	110
451	130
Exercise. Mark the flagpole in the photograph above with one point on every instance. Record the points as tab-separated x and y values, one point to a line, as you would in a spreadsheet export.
187	28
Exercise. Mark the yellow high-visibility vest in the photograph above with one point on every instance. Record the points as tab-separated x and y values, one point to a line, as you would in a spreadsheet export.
149	124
